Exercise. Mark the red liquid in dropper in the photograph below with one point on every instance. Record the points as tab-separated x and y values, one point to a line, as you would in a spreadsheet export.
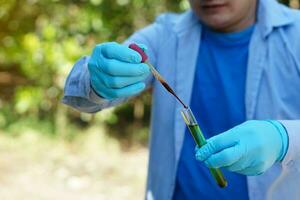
172	92
136	48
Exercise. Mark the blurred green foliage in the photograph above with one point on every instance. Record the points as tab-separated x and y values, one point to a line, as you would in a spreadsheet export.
40	41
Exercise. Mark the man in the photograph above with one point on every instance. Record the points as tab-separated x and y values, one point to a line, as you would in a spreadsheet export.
233	61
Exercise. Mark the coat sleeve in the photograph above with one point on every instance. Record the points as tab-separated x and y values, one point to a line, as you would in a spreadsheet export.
293	153
293	126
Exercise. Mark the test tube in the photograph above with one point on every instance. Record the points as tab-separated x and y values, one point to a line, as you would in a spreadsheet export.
197	134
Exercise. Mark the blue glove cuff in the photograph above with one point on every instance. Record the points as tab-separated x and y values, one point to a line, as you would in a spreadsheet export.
284	138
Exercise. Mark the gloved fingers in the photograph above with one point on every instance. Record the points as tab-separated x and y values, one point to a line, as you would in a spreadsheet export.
117	68
224	158
113	50
196	148
237	166
127	91
215	144
250	171
256	168
118	81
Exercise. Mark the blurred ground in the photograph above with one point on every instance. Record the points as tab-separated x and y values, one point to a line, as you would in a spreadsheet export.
34	167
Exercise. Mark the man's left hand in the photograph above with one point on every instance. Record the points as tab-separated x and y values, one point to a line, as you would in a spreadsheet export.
250	148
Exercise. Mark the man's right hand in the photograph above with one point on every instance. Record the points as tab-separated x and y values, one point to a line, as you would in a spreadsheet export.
116	71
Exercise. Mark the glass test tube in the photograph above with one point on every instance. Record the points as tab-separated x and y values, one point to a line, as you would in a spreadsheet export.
200	141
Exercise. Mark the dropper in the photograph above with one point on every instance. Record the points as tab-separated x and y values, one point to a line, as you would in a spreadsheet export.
155	72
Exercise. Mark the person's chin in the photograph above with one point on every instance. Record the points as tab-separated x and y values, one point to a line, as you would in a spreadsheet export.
216	22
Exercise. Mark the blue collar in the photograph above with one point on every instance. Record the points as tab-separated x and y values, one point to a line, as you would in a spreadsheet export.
272	14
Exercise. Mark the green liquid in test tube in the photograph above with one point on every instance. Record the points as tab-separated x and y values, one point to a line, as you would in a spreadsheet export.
197	134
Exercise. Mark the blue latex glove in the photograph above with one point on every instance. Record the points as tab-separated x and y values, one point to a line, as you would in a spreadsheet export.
116	71
250	148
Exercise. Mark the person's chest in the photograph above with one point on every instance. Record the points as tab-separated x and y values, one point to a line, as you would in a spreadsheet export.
218	95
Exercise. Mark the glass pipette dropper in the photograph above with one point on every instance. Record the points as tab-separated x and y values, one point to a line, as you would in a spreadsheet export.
155	72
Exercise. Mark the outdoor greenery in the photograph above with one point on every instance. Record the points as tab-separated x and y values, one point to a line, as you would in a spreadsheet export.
41	40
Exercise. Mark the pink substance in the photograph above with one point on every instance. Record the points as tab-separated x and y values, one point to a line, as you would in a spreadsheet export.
140	51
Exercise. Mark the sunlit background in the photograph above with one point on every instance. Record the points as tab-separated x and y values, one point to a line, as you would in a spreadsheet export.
47	150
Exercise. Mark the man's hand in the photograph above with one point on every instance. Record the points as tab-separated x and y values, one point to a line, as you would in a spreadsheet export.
116	71
250	148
